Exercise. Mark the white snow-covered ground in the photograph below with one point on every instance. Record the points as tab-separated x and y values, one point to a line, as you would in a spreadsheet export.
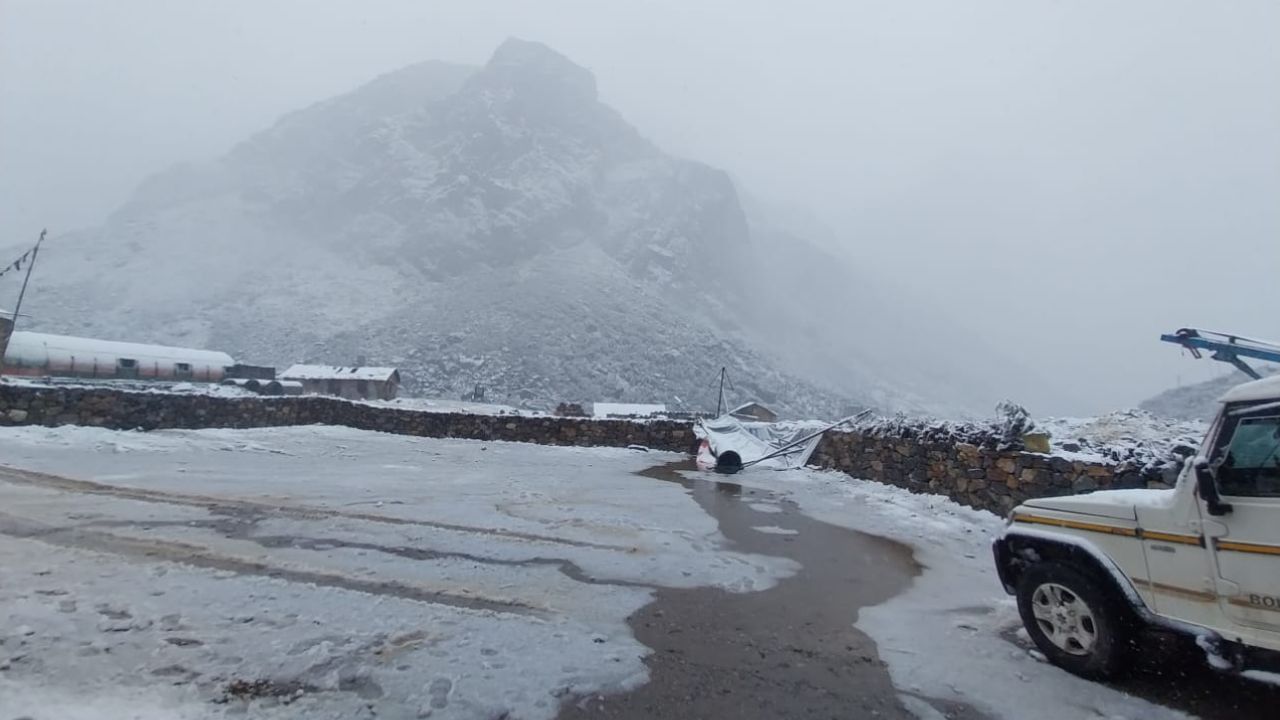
305	573
453	406
295	552
946	636
233	391
137	386
1133	435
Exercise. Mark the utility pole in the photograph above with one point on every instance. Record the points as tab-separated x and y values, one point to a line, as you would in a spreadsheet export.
30	266
21	293
724	376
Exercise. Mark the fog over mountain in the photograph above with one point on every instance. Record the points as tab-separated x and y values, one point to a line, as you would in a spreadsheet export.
928	205
494	225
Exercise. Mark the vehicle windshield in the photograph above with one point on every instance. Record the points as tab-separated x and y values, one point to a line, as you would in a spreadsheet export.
1250	465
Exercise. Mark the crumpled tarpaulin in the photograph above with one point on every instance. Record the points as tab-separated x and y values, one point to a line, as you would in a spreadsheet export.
753	441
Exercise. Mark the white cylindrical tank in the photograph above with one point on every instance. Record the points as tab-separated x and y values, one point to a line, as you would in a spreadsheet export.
39	354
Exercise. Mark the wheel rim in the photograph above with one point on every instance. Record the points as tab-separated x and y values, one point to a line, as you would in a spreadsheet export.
1064	618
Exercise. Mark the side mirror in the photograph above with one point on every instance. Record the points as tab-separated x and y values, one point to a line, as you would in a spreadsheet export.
1207	487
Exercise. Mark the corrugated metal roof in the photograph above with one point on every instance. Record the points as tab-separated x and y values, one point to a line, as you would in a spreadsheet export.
335	372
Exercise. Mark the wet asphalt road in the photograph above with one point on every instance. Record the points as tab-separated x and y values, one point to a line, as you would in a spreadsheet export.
788	652
1171	671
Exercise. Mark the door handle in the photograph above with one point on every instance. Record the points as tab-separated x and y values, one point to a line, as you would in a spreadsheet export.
1228	588
1209	528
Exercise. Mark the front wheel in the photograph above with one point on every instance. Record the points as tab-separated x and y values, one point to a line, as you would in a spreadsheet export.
1075	620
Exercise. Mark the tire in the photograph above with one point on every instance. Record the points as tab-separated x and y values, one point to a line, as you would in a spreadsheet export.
728	462
1076	620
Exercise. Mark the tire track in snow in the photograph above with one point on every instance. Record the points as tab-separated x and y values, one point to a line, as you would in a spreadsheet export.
198	556
18	476
240	527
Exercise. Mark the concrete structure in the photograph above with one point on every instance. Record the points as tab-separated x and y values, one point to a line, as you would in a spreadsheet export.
44	355
352	383
754	411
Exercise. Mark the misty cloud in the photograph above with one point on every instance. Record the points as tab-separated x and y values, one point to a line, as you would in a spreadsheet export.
1065	180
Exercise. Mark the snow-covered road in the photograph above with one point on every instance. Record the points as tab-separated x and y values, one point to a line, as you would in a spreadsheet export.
162	575
306	545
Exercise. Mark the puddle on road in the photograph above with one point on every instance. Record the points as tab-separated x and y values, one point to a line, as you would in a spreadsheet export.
790	651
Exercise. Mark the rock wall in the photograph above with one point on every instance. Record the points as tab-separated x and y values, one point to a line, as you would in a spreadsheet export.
980	477
123	410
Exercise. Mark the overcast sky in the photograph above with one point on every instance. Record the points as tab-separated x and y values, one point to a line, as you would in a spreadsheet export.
1071	177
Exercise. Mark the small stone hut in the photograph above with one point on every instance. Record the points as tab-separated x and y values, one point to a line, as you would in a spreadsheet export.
352	383
754	411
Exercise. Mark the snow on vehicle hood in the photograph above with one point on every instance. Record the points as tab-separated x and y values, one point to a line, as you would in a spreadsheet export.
1118	504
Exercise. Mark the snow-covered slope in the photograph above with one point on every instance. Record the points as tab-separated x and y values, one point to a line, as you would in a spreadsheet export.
1198	401
494	225
1136	437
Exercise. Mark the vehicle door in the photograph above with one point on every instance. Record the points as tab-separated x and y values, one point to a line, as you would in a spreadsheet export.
1246	462
1181	581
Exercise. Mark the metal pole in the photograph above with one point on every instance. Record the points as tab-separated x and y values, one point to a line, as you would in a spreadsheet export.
21	293
720	397
30	266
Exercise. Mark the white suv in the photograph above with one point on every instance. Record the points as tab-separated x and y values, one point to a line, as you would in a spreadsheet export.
1090	571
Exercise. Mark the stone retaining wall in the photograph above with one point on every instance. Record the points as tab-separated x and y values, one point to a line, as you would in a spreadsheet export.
124	410
979	477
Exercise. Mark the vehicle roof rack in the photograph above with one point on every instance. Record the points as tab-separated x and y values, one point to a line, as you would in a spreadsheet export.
1226	347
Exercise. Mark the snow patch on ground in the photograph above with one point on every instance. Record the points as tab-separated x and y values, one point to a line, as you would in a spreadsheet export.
1213	654
775	530
921	709
102	703
136	386
453	406
1134	436
1263	676
113	625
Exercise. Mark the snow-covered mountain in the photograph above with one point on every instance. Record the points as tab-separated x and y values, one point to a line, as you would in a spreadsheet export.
495	225
1198	401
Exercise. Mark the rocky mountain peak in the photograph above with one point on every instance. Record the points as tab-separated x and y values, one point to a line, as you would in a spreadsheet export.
495	225
537	75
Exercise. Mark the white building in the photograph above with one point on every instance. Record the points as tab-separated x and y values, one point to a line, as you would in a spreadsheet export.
352	383
41	354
